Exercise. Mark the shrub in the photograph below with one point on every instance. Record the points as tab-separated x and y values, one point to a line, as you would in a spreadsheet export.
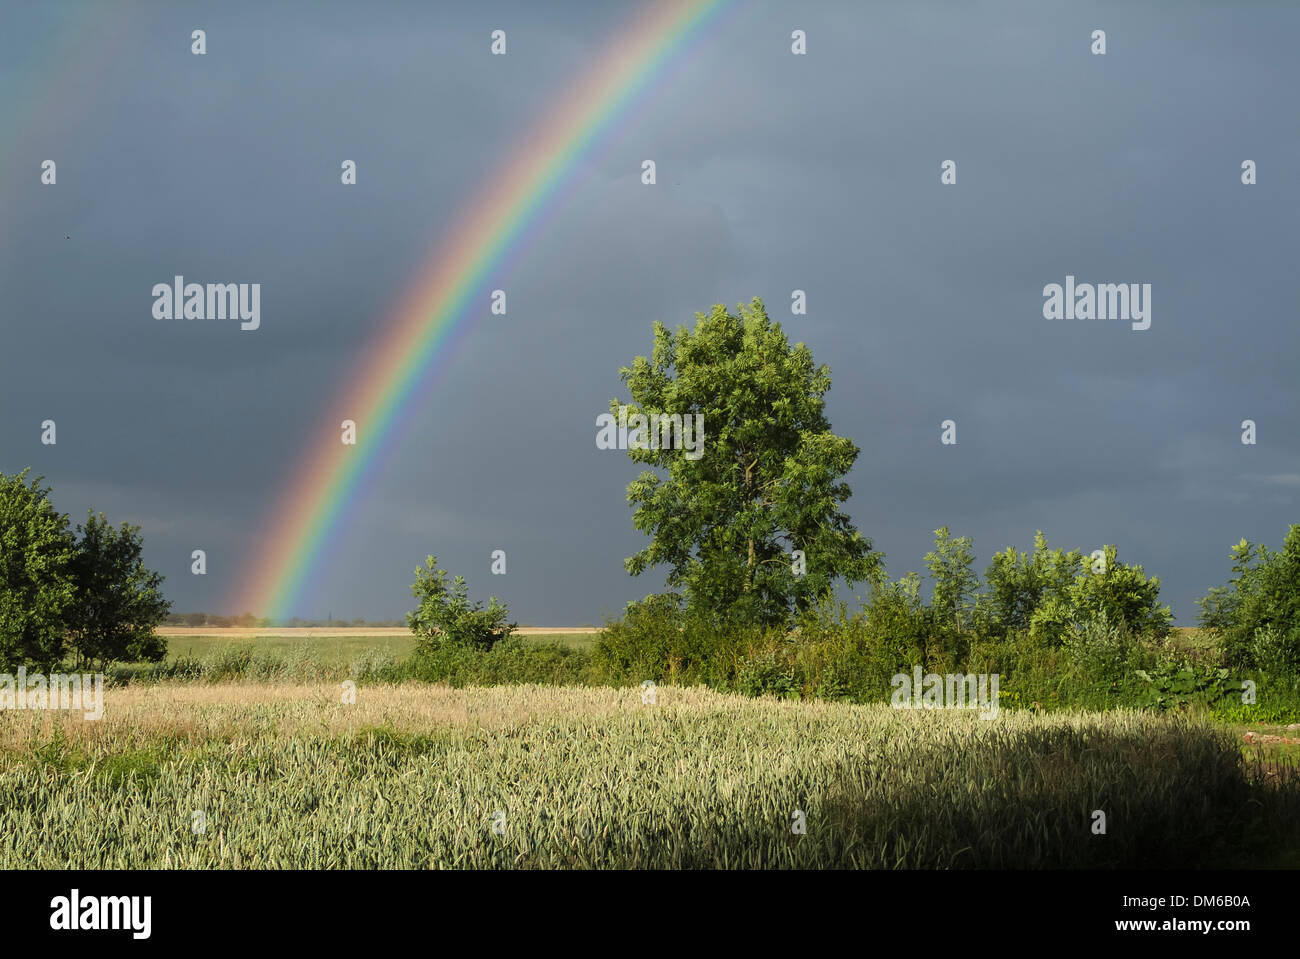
835	657
1019	585
896	625
373	664
643	640
660	638
513	661
1123	594
228	663
955	582
1264	594
1100	649
664	639
1179	686
445	615
766	673
1276	650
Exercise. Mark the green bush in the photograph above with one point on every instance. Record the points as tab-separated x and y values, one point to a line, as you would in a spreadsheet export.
1172	687
1058	632
512	661
1019	585
373	664
1103	590
1276	650
766	674
1100	649
895	625
663	639
1263	595
1124	595
228	663
834	657
445	615
644	641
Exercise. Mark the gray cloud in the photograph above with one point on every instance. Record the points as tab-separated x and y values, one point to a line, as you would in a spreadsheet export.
775	173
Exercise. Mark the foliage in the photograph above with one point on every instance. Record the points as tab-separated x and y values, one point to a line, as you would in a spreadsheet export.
1276	650
445	615
955	582
1102	650
119	601
37	584
1179	686
1019	585
1122	594
1258	613
663	638
768	480
1057	632
513	661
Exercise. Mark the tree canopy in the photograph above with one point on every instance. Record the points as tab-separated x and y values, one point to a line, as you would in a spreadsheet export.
119	601
36	576
88	595
768	481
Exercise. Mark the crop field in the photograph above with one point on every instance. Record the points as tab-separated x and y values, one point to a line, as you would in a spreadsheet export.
330	647
288	775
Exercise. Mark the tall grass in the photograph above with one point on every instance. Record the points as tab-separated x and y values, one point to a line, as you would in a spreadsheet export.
234	662
287	776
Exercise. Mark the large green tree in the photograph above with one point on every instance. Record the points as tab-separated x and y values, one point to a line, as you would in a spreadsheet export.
119	601
766	480
37	586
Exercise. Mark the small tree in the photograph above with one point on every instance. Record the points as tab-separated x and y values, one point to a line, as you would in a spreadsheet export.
445	615
1120	594
1029	591
36	579
1260	606
119	602
955	582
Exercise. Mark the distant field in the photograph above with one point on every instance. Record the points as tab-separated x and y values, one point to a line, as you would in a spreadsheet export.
331	646
303	632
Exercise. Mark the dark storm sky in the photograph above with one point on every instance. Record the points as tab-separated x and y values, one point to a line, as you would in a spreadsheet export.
775	172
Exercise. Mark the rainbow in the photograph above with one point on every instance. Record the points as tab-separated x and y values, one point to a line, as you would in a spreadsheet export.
434	315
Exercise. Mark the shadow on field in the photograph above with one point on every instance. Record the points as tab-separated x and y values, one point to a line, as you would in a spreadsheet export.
1169	800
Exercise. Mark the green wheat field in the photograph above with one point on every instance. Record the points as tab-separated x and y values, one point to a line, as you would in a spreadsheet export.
278	774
